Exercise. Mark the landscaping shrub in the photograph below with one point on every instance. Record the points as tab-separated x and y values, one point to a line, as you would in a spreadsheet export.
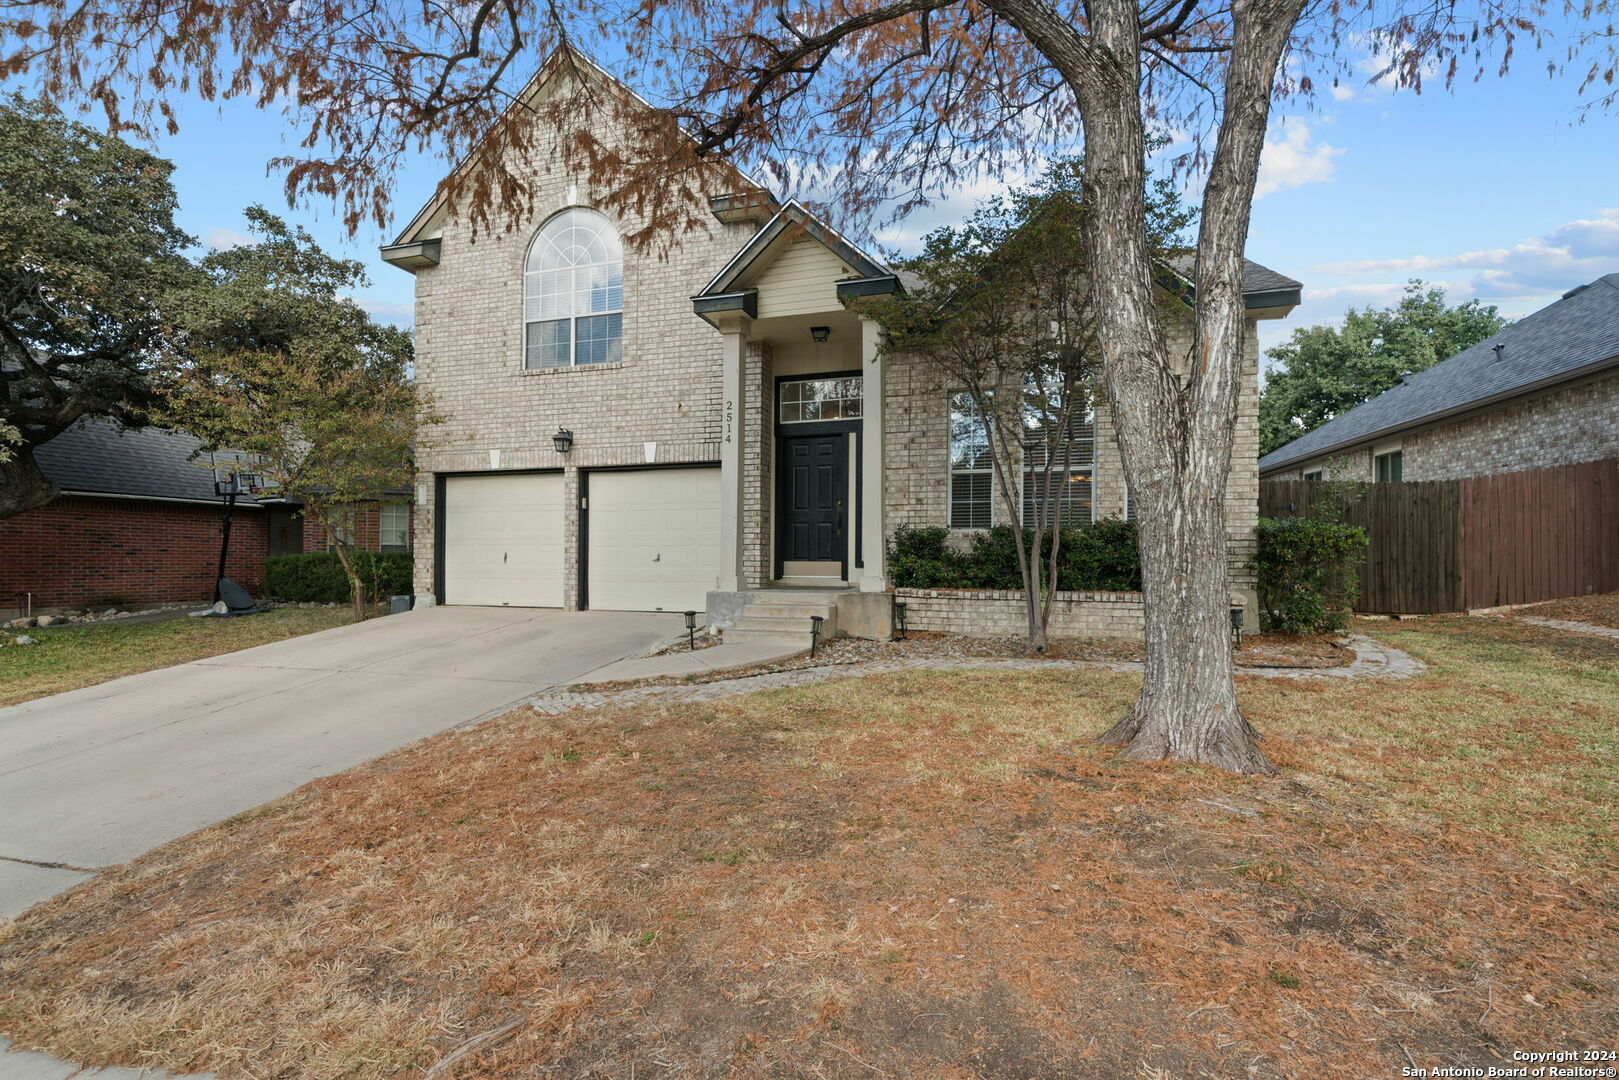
1308	572
1097	558
319	577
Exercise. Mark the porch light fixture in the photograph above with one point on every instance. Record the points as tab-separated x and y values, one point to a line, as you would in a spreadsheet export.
820	333
562	440
691	630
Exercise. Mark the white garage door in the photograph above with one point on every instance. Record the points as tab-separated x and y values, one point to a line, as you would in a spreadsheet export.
654	539
503	539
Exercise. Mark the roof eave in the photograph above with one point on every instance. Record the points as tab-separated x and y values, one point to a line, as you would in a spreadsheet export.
414	256
1548	383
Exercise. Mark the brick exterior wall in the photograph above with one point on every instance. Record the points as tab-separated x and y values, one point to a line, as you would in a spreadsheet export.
88	552
997	612
918	476
1561	427
667	388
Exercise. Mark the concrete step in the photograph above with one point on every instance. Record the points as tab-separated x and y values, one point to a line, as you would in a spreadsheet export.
786	639
789	610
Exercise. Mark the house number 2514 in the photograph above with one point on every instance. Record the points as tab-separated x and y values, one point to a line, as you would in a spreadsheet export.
728	420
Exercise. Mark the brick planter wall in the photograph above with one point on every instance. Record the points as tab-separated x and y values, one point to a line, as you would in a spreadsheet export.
88	552
998	612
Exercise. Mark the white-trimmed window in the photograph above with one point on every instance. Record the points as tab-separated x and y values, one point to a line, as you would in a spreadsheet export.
393	527
806	401
1067	492
1313	474
1390	467
573	293
971	470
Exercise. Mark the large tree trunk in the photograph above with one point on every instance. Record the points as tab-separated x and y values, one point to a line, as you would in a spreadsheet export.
22	485
1174	420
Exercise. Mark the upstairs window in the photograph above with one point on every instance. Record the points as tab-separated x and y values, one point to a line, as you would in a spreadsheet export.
573	293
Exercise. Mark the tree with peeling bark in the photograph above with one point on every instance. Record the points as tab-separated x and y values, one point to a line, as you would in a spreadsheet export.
873	103
294	379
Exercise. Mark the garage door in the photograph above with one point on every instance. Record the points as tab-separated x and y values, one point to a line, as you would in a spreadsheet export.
654	539
503	539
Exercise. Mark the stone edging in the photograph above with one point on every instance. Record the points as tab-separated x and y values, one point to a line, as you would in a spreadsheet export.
1373	660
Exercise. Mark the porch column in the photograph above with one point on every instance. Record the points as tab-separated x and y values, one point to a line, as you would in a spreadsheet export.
873	532
732	415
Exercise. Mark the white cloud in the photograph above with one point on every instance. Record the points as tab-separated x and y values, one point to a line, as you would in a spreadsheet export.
219	239
387	311
1292	158
1343	93
1569	255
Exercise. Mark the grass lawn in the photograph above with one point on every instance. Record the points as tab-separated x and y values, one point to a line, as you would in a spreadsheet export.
914	875
68	657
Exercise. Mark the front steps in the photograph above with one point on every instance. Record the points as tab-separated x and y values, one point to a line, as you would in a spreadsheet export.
782	617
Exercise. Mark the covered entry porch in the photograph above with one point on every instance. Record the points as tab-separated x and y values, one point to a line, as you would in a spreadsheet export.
802	435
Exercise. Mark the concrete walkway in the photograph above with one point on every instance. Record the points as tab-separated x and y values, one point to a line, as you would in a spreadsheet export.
1570	625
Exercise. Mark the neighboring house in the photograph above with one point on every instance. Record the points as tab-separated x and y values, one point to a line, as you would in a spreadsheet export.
138	523
682	432
1542	392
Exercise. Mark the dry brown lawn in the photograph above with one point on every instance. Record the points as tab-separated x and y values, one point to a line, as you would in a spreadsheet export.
919	875
1600	610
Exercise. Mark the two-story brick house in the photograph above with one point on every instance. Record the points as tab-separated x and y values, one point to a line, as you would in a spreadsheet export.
692	430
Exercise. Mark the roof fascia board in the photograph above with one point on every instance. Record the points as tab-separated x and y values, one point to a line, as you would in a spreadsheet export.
1551	382
252	503
792	214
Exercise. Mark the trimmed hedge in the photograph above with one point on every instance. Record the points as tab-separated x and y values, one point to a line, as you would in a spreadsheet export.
319	577
1103	557
1309	574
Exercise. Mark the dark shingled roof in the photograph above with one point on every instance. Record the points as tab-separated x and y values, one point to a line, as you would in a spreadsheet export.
1576	336
96	457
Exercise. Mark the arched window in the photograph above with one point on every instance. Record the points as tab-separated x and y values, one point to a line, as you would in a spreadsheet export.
573	293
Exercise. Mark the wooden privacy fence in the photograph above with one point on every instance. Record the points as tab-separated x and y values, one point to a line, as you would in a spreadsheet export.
1449	545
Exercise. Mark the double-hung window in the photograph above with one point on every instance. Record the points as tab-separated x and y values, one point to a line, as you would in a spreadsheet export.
971	470
393	527
573	293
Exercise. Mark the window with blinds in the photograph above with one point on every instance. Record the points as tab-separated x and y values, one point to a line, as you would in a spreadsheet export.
1065	493
971	471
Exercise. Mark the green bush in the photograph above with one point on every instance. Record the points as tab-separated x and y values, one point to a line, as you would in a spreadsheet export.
1308	572
319	577
1096	558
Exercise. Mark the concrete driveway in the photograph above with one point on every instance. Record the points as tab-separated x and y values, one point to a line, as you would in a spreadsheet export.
97	776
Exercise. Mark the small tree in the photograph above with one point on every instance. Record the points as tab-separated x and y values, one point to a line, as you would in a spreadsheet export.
286	370
1001	309
90	247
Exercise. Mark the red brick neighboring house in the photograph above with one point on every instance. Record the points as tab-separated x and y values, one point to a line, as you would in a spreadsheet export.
137	523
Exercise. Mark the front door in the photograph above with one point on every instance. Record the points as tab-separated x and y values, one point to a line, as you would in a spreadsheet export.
814	504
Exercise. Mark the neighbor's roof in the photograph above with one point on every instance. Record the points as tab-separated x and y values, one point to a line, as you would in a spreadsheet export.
95	457
1576	336
1262	287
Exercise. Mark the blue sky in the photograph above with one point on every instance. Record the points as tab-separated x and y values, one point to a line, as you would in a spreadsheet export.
1502	189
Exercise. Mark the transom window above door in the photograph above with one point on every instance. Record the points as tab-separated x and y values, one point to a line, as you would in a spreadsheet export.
804	401
573	293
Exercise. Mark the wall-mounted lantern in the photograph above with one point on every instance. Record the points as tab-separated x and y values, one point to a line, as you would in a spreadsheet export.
820	333
563	440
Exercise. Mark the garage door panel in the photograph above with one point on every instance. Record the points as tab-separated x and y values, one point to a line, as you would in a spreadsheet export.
654	539
503	539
